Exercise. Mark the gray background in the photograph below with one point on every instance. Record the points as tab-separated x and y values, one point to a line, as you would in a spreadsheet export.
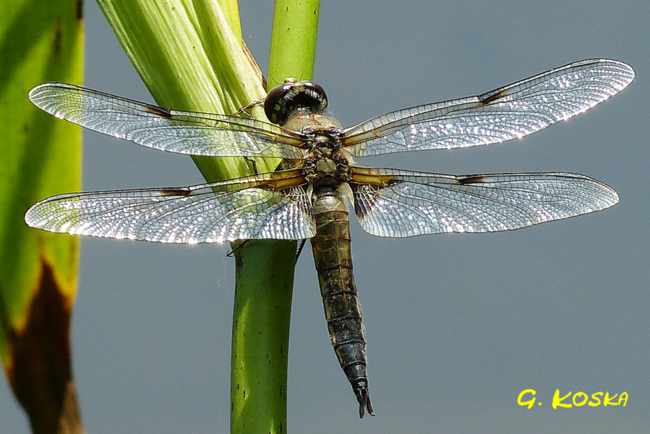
457	325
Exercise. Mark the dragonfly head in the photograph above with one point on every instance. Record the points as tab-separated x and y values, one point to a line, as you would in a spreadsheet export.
292	97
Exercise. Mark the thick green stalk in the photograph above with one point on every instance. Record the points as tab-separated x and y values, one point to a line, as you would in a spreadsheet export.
189	59
263	300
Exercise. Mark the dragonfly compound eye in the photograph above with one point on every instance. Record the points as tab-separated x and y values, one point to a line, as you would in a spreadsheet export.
290	97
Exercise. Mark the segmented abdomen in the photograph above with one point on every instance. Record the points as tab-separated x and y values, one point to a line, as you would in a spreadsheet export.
331	248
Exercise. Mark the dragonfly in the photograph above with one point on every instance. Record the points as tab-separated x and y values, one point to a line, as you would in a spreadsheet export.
305	197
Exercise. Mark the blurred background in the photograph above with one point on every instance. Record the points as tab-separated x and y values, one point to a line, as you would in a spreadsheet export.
458	325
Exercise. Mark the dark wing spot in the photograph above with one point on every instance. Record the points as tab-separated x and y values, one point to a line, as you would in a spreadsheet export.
371	195
174	192
488	98
157	111
472	179
393	182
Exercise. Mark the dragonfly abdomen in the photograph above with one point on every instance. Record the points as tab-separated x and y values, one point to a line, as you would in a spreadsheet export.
333	258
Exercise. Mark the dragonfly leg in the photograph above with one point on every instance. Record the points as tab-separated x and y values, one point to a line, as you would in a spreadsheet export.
243	110
240	244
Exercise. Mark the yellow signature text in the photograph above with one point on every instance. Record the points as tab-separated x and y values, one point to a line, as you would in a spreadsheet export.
527	398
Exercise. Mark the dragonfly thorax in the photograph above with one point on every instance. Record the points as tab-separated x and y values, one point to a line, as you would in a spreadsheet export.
315	126
327	166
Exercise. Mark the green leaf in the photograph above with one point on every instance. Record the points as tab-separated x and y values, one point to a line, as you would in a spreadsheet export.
189	59
39	157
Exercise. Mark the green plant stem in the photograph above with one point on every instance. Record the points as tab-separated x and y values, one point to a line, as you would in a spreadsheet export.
190	59
293	42
260	339
263	299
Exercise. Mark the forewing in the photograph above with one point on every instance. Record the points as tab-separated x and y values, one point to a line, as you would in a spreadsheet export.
166	130
210	213
415	203
503	114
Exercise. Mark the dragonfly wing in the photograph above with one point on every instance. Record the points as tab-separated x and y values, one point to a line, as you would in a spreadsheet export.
209	213
404	204
503	114
166	130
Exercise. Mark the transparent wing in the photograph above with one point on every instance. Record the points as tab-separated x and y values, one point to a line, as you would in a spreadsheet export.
209	213
415	203
503	114
166	130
